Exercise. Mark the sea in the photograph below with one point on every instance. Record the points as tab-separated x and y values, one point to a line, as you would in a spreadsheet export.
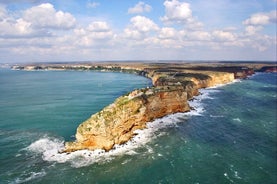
229	137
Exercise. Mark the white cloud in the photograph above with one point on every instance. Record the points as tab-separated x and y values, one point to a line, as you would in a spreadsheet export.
133	34
251	30
45	16
10	27
3	12
224	36
35	21
95	34
143	24
260	42
177	11
140	27
93	4
22	26
257	21
98	26
140	7
199	36
180	12
167	33
261	18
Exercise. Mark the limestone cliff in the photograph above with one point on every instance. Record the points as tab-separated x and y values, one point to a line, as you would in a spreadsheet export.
116	123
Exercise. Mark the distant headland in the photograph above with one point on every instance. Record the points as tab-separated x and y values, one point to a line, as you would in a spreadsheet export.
173	85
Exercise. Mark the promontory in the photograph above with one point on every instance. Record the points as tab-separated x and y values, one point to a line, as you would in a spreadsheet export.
174	84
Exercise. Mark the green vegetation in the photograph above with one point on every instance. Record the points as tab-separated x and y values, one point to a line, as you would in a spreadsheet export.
122	101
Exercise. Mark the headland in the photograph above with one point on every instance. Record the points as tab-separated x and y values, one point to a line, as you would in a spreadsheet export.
174	84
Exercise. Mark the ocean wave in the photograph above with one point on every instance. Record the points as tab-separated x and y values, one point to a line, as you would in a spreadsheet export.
197	102
237	120
26	177
50	147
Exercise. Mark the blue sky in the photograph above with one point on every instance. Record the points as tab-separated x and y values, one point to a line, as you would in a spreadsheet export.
88	30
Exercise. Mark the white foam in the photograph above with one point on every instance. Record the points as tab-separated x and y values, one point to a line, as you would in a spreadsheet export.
45	144
30	176
237	119
49	147
216	116
197	104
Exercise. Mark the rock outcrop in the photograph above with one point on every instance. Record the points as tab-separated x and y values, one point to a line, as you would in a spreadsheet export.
117	123
268	69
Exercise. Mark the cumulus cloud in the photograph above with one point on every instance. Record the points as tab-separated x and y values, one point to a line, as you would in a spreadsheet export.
3	12
140	27
15	28
224	36
259	42
167	33
257	21
35	21
99	26
93	4
11	27
45	16
133	34
180	12
198	36
143	24
140	7
261	18
177	11
251	30
97	32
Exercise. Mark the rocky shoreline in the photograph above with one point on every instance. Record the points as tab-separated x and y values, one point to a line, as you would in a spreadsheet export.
173	85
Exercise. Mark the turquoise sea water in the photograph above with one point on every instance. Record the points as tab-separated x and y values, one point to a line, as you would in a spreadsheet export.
229	138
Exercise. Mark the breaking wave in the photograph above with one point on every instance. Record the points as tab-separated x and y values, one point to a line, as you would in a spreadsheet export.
26	177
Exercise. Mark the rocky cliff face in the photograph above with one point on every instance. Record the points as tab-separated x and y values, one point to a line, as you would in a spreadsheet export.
117	123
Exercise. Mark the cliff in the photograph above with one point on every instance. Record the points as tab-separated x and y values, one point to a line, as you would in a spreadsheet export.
117	123
268	69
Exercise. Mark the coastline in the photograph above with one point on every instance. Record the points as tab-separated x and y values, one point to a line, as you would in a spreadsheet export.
168	80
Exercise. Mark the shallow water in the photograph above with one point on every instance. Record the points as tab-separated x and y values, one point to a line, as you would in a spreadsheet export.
229	138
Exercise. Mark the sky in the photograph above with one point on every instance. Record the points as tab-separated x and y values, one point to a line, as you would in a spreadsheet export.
106	30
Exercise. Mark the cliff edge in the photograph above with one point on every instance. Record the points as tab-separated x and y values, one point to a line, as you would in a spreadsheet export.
116	123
